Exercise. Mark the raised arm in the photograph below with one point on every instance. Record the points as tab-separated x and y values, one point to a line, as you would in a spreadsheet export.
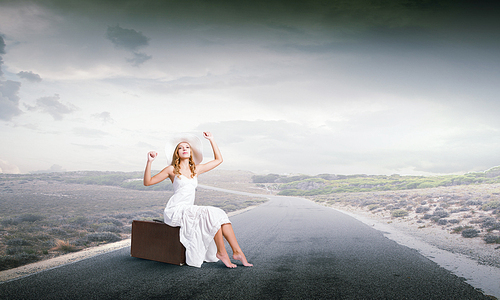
202	168
165	173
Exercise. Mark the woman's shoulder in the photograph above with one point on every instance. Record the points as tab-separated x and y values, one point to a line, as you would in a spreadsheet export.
169	170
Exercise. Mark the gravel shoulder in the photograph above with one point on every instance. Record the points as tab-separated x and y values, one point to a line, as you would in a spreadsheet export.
429	232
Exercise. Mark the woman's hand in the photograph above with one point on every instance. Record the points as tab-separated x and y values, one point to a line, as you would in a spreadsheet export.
152	155
208	135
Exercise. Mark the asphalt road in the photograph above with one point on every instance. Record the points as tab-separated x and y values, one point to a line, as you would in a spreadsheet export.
300	250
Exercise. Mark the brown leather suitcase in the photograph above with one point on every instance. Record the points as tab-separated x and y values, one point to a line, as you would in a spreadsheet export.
157	241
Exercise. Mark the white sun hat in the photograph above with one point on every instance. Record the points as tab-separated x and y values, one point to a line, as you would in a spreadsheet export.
191	139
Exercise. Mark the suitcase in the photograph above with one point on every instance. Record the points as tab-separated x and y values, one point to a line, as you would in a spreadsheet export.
157	241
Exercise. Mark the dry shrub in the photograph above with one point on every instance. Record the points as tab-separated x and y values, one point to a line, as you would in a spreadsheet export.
398	213
64	246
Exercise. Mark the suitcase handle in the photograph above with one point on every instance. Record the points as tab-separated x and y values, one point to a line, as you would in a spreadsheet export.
158	221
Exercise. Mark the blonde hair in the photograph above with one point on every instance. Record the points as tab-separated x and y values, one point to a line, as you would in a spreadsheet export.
176	161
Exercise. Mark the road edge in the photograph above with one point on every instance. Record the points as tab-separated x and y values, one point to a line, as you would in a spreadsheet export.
43	265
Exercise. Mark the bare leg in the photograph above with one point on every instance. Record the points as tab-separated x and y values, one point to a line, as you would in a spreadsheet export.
221	250
227	231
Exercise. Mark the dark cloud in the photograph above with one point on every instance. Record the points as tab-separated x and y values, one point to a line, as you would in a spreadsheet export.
406	20
30	76
2	45
2	51
131	40
353	14
139	58
52	106
9	90
9	99
128	39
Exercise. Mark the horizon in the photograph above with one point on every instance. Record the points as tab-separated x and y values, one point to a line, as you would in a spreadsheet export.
359	87
239	170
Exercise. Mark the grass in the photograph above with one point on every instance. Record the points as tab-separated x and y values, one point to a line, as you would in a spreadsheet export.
64	246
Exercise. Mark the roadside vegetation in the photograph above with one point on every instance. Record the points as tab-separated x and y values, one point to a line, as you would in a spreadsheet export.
468	204
46	215
324	184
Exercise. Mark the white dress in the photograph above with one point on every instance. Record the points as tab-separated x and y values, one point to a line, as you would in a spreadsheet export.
199	224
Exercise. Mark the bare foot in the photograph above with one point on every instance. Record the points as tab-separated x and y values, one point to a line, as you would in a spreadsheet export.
241	257
225	259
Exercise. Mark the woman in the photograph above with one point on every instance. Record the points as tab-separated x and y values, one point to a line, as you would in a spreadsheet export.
202	227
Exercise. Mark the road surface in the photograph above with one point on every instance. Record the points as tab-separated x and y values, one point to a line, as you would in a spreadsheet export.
300	250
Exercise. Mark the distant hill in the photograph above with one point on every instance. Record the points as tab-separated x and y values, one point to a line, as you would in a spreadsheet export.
305	185
296	185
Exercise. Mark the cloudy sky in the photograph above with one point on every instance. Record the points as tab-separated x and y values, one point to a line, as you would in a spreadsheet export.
343	87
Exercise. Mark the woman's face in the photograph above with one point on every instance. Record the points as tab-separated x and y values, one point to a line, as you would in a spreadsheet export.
184	150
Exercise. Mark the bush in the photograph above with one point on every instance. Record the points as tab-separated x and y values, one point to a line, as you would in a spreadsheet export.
398	213
426	185
109	228
421	209
82	221
492	239
495	226
30	218
440	213
457	229
270	178
64	246
124	216
14	250
58	232
470	233
13	261
138	185
291	192
435	219
442	222
287	179
103	237
488	223
9	221
112	221
474	202
18	242
491	205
